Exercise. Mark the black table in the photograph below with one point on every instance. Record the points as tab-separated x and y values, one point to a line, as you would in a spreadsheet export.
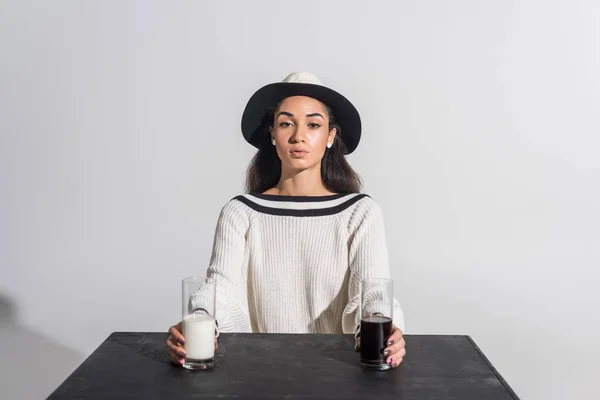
276	366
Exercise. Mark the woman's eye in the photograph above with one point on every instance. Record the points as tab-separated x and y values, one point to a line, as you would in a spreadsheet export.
314	125
284	124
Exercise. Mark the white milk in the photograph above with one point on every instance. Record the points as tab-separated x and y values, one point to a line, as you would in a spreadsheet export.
199	334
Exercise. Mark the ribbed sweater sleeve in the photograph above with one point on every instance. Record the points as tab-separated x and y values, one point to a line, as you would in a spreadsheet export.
367	258
226	263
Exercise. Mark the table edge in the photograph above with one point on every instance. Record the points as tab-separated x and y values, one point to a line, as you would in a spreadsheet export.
78	367
493	369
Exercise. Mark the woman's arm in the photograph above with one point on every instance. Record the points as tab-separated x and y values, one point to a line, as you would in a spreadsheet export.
225	267
367	258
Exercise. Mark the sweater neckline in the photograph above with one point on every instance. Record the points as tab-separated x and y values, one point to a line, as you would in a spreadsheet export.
299	199
300	206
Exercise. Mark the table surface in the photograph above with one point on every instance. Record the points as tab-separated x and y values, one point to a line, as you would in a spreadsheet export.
276	366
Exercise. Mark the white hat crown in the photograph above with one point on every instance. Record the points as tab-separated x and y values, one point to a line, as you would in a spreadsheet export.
303	77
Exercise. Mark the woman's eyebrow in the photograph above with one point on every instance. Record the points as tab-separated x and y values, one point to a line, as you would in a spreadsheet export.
289	114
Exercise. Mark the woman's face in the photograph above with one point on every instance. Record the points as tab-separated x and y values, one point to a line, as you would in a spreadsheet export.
301	132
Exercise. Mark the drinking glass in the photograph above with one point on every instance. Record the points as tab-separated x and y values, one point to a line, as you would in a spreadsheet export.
199	327
376	307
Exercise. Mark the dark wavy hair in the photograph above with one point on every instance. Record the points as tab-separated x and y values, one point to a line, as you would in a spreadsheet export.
264	170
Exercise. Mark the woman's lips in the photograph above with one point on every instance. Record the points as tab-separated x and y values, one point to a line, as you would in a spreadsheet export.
298	153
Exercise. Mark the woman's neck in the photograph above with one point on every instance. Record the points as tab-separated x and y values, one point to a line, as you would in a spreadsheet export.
304	183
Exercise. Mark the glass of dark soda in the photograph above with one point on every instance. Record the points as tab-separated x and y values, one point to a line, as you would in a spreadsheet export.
376	307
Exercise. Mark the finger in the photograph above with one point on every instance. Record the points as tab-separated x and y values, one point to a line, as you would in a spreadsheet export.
175	347
173	331
176	358
394	360
173	355
396	357
395	336
397	363
395	347
171	340
399	354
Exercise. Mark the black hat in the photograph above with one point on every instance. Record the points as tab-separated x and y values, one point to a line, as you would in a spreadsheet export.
301	84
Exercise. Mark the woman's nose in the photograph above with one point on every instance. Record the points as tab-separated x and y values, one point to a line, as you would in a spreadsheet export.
298	136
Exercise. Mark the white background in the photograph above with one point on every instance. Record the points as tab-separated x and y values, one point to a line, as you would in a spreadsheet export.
120	142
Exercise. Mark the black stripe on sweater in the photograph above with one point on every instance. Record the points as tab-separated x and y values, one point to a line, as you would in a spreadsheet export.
317	212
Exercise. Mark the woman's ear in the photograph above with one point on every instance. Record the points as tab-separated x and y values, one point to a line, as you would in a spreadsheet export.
271	133
332	134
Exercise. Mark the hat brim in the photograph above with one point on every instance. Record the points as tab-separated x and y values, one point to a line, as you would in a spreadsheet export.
269	96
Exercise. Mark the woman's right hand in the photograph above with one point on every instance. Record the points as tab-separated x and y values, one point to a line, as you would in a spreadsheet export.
175	343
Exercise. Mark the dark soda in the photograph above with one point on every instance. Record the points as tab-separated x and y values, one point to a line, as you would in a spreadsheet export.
374	333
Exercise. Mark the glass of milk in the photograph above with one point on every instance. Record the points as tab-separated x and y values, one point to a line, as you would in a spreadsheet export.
199	327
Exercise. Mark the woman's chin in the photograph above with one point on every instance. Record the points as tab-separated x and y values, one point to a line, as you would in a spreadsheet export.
299	164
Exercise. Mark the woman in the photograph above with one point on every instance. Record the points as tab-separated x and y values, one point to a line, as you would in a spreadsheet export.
289	255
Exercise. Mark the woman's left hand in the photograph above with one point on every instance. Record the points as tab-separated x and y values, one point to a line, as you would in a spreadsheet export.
395	350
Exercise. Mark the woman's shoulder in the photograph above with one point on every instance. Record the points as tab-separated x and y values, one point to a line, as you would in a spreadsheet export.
363	202
365	209
234	208
367	202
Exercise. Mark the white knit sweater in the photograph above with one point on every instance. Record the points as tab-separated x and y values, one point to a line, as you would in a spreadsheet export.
293	264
